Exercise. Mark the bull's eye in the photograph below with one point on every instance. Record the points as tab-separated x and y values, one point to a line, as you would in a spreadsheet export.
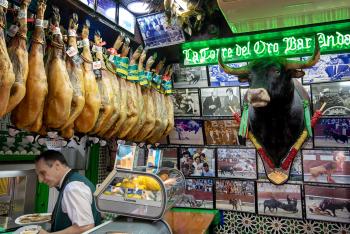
277	72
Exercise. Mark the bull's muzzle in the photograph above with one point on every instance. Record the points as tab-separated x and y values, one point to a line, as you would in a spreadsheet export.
258	97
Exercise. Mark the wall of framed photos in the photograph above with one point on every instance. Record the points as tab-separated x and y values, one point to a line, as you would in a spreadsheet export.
224	175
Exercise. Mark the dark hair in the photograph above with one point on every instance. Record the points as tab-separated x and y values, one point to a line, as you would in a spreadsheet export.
50	156
203	154
229	90
205	165
186	152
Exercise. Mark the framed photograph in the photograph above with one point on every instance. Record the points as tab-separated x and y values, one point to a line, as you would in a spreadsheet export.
140	158
336	95
126	20
170	157
197	162
243	92
198	194
332	132
221	132
326	166
217	101
186	102
107	8
279	200
220	78
327	203
330	67
157	32
236	163
187	132
190	77
89	3
235	195
126	157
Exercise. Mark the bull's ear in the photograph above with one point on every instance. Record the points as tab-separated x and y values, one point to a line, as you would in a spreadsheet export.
297	73
243	78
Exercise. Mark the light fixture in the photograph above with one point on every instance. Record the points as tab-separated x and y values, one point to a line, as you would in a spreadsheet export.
138	7
110	13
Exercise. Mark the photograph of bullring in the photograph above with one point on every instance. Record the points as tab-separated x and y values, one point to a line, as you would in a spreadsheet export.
326	166
236	163
327	203
198	194
279	200
235	195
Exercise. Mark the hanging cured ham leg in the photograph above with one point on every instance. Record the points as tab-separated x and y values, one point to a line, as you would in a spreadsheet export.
7	77
19	57
169	106
29	113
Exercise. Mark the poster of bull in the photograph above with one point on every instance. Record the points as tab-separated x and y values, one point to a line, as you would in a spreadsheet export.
220	101
169	157
197	162
331	67
221	132
235	195
236	163
279	200
198	194
187	132
332	132
189	77
336	95
326	166
327	203
186	102
219	78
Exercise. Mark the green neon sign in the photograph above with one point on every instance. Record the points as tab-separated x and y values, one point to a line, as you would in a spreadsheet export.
289	43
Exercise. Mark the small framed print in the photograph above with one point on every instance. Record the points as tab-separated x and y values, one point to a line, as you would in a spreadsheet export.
279	200
220	78
236	163
198	194
169	157
126	157
221	132
332	132
326	166
186	102
218	101
197	162
190	77
336	95
187	132
235	195
327	203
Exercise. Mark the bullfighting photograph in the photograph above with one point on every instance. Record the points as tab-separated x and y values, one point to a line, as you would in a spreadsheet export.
279	200
221	132
327	203
186	102
169	157
220	78
326	166
235	195
198	194
197	162
189	77
332	132
236	163
187	132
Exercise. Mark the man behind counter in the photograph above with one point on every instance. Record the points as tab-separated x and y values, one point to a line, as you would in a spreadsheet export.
75	210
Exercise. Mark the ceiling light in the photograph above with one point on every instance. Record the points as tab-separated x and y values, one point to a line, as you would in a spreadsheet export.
138	7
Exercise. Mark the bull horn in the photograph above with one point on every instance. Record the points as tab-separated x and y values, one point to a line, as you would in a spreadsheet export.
291	64
230	70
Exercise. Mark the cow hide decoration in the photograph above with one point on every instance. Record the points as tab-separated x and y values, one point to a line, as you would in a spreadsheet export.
275	114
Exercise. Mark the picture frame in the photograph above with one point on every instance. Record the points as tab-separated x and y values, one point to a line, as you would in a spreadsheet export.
186	102
221	132
327	203
330	166
187	132
107	8
236	163
189	77
170	156
126	157
219	78
217	101
199	162
235	195
279	200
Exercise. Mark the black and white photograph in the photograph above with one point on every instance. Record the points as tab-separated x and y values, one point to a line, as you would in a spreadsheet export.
279	200
235	195
190	77
327	203
157	32
336	95
221	132
219	101
236	163
198	194
220	78
186	102
330	67
326	166
197	162
187	132
332	132
169	157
